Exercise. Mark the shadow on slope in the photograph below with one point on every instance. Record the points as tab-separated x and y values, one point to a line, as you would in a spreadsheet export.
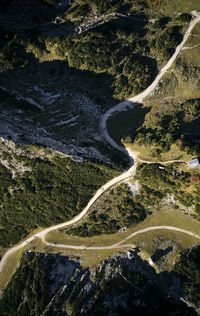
120	125
122	284
64	94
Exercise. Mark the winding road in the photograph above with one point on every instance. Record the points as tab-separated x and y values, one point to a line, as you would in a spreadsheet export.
130	103
119	244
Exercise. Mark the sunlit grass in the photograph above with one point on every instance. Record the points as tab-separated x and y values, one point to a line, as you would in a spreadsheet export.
167	216
146	242
10	267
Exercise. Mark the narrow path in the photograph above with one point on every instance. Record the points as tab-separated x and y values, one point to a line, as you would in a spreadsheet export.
130	103
42	234
119	244
120	107
191	47
167	162
173	228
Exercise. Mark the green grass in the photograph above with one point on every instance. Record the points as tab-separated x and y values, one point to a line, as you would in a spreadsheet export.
171	7
191	55
165	7
14	259
115	209
167	216
145	153
175	86
186	89
102	240
54	184
146	242
91	258
193	40
9	268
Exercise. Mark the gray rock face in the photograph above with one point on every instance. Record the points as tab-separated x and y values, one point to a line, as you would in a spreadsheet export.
123	284
37	116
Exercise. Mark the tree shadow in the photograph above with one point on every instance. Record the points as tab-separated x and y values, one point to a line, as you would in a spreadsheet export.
127	121
32	10
98	86
21	119
160	253
136	285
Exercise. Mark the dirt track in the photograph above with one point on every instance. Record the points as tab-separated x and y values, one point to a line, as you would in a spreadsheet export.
120	107
119	244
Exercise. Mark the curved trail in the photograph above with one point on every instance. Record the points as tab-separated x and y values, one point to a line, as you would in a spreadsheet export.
120	107
119	244
130	103
161	162
173	228
124	176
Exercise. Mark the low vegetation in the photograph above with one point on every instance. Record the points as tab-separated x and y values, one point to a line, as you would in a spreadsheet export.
113	48
187	269
126	47
120	279
116	210
152	7
166	215
170	180
119	209
55	190
164	246
175	126
124	51
171	127
31	280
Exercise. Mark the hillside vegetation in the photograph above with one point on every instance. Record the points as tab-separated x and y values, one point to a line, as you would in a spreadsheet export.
122	284
101	51
117	39
53	189
172	180
115	210
167	129
187	268
171	127
119	209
